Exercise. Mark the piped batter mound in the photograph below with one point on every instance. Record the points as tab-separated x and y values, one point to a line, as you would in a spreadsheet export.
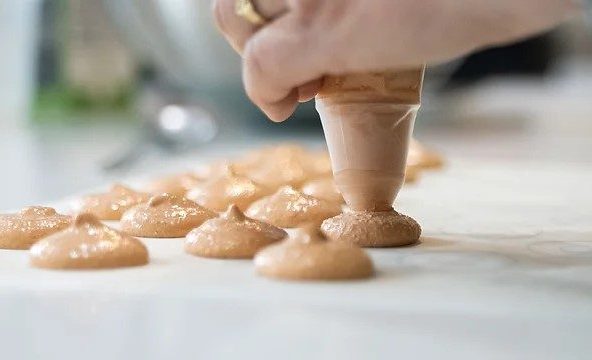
21	230
275	152
176	185
319	164
307	255
372	229
422	157
220	168
323	189
279	172
289	208
412	174
228	188
232	236
112	204
286	164
164	216
88	244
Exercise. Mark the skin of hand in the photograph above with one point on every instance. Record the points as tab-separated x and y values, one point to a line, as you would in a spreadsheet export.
285	60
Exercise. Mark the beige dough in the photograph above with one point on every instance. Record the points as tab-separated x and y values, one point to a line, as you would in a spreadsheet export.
232	236
422	157
278	172
324	189
220	168
21	230
307	255
88	244
227	188
372	229
412	174
112	204
164	216
176	185
320	164
289	208
255	158
286	164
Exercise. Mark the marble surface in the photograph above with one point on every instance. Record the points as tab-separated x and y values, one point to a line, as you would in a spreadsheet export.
503	270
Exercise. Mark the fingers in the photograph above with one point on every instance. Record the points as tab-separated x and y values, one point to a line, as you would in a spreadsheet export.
236	29
278	105
309	90
279	59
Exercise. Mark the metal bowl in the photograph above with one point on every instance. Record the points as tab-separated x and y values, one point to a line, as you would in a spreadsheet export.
180	39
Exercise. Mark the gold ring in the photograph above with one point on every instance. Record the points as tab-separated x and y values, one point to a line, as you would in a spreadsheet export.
246	10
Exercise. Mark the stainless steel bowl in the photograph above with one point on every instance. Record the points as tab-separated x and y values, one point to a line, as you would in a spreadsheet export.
178	37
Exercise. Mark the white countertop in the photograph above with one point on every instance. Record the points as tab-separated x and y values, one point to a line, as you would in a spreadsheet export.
504	270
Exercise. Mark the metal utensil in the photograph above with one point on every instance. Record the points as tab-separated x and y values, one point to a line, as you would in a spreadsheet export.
171	128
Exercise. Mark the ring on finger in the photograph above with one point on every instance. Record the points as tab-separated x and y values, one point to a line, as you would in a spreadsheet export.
246	9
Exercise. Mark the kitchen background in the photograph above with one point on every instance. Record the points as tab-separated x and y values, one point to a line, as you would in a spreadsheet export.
92	91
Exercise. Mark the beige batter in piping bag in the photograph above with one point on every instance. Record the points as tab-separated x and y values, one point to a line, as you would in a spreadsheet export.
368	120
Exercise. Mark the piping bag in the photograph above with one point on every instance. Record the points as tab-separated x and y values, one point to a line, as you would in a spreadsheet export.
368	120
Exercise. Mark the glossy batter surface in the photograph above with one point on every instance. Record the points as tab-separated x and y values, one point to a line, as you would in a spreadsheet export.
21	230
164	216
112	204
88	244
289	208
307	255
232	235
372	229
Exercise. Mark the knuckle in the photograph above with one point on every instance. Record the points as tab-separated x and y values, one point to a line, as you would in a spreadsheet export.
259	58
252	72
306	8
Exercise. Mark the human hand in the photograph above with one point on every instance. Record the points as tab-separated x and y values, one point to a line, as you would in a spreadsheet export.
284	60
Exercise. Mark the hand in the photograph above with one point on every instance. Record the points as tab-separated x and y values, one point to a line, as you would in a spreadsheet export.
238	31
284	60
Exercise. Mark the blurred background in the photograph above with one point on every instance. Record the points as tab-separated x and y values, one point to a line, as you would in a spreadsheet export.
91	91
